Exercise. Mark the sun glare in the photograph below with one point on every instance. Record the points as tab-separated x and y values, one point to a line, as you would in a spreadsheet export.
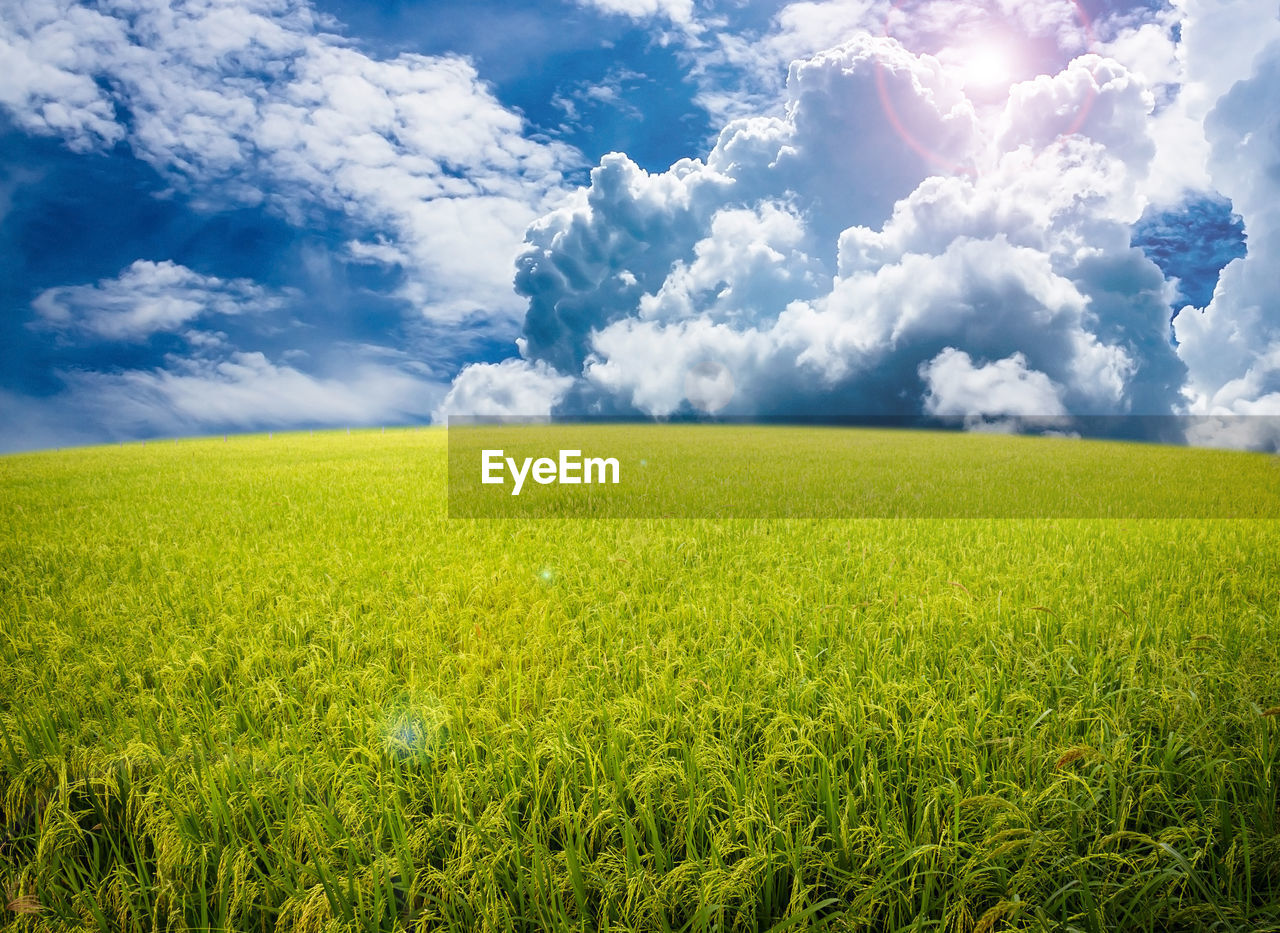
984	68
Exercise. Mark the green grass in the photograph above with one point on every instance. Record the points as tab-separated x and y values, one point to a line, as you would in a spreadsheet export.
266	684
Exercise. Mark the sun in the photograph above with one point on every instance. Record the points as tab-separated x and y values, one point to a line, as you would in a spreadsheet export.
985	68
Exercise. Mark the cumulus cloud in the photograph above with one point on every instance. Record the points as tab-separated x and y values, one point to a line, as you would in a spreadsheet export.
742	73
834	159
149	297
254	101
45	82
1232	347
1095	97
954	386
882	247
750	259
1190	54
510	389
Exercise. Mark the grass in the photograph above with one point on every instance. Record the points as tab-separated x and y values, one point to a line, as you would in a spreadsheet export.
265	684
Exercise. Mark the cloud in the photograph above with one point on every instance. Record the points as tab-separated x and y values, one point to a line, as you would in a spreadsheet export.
865	237
1093	96
750	261
616	92
220	389
1232	347
679	12
510	389
743	74
1190	54
150	297
740	73
46	82
956	387
246	390
835	155
255	102
883	247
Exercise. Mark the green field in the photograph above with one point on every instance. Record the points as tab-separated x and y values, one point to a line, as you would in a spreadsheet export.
266	684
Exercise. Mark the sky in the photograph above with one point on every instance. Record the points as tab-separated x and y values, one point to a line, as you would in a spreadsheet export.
241	215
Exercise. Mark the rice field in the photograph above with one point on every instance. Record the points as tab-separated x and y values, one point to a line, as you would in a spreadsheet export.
267	684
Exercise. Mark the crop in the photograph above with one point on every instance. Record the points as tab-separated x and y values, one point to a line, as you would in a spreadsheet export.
266	684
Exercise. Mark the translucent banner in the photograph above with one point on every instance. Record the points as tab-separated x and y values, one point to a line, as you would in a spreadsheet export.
910	468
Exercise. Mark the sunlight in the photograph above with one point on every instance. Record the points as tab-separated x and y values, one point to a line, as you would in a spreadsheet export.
983	68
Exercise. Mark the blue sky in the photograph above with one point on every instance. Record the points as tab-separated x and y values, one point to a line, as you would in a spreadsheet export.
263	214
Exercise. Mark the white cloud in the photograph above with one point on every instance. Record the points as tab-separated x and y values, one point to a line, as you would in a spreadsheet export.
751	262
224	390
936	25
831	266
149	297
1244	429
858	349
835	158
46	73
679	12
253	101
843	246
954	386
1190	55
742	73
247	390
510	389
985	294
1232	347
1094	97
649	366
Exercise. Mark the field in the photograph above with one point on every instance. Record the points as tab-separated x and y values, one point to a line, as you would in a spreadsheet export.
267	684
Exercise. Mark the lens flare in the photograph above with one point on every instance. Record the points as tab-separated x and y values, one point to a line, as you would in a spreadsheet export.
985	50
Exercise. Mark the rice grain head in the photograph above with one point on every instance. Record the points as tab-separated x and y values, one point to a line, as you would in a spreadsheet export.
25	904
988	920
1071	756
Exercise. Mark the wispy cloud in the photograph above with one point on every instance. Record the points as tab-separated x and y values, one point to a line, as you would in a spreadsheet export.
220	389
150	297
679	13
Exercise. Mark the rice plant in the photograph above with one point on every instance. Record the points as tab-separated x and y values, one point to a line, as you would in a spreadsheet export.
266	684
